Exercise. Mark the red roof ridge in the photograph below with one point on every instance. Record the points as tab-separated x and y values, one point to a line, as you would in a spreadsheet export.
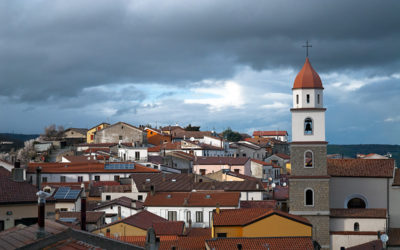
307	78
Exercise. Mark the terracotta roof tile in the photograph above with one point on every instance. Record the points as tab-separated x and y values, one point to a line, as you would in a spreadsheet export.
212	160
169	228
378	168
261	162
358	213
244	216
270	133
259	204
281	193
85	168
196	231
375	244
307	78
282	243
283	156
142	219
16	192
193	199
122	201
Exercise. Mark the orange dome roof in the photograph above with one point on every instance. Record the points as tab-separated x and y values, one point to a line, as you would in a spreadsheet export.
307	78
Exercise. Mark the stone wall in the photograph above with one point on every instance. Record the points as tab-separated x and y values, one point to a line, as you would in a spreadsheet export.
319	160
121	132
320	230
321	194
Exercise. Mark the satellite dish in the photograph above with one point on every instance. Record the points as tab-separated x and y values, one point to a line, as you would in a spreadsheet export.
284	184
384	238
273	185
191	139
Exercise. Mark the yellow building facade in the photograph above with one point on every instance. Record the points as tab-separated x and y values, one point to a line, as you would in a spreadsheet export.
91	132
271	224
121	229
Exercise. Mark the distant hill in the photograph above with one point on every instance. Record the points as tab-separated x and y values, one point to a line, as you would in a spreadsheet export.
353	150
18	140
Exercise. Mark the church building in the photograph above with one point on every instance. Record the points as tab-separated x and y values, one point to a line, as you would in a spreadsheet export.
348	201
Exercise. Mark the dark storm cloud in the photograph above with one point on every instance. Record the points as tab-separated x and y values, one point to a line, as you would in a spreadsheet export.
57	48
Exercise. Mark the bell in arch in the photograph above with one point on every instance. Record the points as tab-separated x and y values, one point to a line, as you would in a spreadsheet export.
308	126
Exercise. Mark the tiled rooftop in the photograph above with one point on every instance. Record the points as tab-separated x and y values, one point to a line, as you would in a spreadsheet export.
378	168
358	213
193	199
244	216
281	243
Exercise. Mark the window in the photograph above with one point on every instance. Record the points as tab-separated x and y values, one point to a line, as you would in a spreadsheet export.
188	216
221	235
97	177
236	171
44	179
308	126
80	178
116	177
202	171
199	216
356	227
108	197
137	156
1	225
63	209
140	197
356	203
297	99
172	215
62	179
92	137
120	137
308	98
210	218
244	154
308	159
309	197
318	98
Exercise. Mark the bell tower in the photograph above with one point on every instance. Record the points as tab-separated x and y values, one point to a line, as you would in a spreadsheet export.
309	180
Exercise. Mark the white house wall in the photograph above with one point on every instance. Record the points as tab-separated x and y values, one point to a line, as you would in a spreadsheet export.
181	213
338	241
394	206
73	177
318	119
374	189
367	224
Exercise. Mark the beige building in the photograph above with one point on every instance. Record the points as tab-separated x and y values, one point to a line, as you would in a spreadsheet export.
18	200
121	132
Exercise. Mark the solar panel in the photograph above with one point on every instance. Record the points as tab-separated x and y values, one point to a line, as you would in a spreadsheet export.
66	193
114	166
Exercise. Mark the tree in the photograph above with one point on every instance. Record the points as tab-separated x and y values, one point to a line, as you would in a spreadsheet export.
27	153
53	133
231	136
192	128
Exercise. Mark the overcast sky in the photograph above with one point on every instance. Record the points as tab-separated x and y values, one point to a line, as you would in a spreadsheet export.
215	64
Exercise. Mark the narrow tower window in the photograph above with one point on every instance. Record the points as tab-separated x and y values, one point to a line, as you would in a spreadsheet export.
297	99
308	159
318	98
356	203
308	98
309	197
308	126
356	227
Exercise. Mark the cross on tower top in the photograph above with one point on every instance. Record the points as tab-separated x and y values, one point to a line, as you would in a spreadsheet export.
307	46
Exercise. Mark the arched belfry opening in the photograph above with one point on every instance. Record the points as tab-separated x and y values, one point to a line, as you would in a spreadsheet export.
308	126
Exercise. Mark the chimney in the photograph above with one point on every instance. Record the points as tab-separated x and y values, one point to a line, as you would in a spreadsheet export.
108	234
217	210
38	180
119	212
133	204
83	207
41	233
239	246
18	173
185	202
152	190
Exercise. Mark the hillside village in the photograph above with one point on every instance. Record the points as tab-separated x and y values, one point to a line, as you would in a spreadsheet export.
178	187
